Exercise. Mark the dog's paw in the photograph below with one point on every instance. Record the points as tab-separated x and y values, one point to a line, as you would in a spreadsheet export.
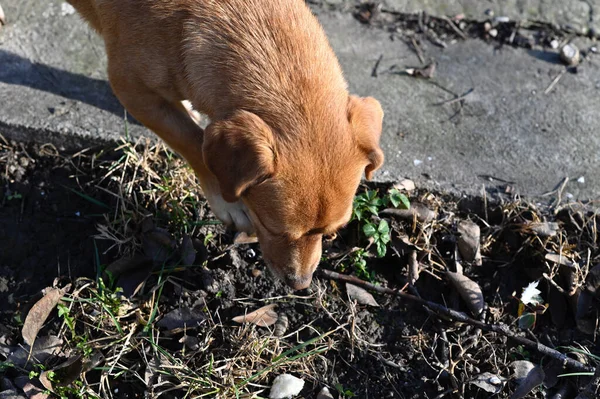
232	214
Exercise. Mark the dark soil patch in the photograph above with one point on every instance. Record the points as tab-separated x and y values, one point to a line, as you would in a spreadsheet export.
53	207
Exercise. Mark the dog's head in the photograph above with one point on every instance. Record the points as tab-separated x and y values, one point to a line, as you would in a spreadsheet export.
299	189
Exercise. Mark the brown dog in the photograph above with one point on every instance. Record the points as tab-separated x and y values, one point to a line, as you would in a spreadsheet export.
287	145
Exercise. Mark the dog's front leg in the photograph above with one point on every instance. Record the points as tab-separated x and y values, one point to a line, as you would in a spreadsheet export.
172	122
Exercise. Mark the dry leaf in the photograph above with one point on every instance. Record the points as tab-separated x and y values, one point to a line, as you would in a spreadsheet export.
124	265
190	342
469	241
545	229
64	374
187	251
427	72
489	382
39	313
158	245
469	292
533	376
43	349
181	318
281	326
243	238
263	317
30	388
559	259
406	184
360	295
592	281
413	267
324	394
418	210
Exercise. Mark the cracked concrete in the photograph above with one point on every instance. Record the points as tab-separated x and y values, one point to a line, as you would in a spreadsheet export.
53	87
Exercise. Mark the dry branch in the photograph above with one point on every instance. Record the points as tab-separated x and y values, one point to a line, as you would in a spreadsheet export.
463	318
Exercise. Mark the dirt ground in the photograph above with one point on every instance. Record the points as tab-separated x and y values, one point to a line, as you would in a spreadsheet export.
135	211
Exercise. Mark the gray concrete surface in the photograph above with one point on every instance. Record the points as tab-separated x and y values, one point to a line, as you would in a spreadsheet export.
582	15
52	86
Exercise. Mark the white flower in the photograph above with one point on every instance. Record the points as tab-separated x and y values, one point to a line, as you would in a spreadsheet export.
531	295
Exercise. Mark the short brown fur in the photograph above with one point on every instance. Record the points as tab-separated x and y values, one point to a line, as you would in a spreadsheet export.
287	144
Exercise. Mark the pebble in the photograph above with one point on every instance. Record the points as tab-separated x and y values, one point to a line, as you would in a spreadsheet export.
493	32
554	44
569	54
581	180
417	162
501	20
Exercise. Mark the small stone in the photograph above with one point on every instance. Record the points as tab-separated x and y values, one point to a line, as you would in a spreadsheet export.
493	32
256	273
489	12
501	20
554	44
569	54
66	9
581	180
417	162
487	27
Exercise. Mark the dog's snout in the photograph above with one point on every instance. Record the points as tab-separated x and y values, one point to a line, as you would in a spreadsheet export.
298	282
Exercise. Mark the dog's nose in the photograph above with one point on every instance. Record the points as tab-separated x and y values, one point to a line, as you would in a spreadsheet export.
298	283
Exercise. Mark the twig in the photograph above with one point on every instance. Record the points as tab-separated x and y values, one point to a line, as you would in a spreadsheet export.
555	81
457	99
463	318
455	28
376	67
418	50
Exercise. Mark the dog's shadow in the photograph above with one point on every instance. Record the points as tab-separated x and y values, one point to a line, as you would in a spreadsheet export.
18	70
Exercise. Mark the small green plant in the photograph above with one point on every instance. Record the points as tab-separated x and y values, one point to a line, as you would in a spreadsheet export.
380	235
359	263
369	204
346	393
14	196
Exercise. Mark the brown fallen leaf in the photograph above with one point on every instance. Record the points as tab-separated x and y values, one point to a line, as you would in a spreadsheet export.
64	374
126	264
39	313
182	318
469	241
360	295
413	267
31	388
426	72
489	382
158	245
543	229
469	291
406	184
559	259
418	210
44	348
533	377
281	326
263	317
244	238
187	251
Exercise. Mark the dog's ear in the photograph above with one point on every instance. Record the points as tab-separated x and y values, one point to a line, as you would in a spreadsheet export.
240	152
366	118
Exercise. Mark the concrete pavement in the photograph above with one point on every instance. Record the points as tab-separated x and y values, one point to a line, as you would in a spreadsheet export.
53	87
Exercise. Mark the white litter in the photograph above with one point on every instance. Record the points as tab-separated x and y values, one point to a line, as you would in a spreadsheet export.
285	386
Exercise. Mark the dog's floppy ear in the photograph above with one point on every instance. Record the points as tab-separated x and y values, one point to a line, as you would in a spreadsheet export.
366	118
240	152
